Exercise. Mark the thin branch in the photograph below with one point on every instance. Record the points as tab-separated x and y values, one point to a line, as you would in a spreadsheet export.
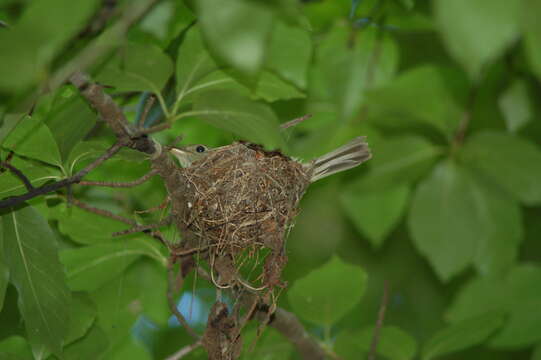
44	189
148	105
115	184
184	351
18	173
171	300
102	212
379	323
154	129
142	228
294	122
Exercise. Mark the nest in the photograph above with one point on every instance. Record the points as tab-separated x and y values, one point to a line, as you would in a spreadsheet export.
235	202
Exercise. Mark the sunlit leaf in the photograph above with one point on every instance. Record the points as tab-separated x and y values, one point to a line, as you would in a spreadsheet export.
328	293
477	32
31	254
462	335
238	33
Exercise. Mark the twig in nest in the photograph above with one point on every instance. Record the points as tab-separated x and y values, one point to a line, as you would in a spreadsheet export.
379	323
171	299
127	184
184	351
18	173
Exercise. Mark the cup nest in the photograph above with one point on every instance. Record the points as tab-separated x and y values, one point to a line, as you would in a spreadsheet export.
237	201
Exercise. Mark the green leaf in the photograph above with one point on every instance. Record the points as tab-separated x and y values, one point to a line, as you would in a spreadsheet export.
394	343
237	33
443	221
243	117
328	293
32	138
9	122
463	335
90	267
397	161
27	48
532	33
421	97
92	346
14	348
271	345
138	67
84	153
348	70
4	275
31	254
152	275
516	106
477	32
516	293
70	122
83	313
513	162
37	174
375	213
536	355
193	62
290	52
85	227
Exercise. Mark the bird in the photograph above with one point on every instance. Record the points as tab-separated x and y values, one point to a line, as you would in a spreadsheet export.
343	158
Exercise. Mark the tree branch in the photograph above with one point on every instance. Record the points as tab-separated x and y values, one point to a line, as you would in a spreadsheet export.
115	184
379	323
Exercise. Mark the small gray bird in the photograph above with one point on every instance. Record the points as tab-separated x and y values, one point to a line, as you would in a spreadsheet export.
343	158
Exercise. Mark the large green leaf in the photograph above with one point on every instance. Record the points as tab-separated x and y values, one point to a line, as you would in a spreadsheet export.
463	335
238	33
477	32
289	55
349	69
90	267
92	346
532	33
516	293
83	313
15	348
241	116
27	48
394	343
31	254
4	277
375	213
32	138
397	161
138	67
421	97
513	162
457	219
328	293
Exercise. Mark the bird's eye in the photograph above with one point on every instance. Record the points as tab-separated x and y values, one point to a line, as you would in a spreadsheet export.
200	149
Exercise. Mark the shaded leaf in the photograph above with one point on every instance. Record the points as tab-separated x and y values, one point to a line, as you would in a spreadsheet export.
513	162
83	313
90	267
138	67
92	346
232	112
32	138
328	293
477	32
532	33
31	254
394	343
238	34
4	277
289	53
463	335
375	214
14	348
516	106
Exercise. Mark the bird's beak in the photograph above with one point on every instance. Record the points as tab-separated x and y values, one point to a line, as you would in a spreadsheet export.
184	157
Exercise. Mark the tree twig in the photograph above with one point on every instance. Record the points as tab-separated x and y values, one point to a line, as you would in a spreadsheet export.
379	323
115	184
102	212
142	228
184	351
18	173
294	122
47	188
171	299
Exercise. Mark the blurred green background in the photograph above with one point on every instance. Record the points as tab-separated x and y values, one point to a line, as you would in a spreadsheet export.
447	213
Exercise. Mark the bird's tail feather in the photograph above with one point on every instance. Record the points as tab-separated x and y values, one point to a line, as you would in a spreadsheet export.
345	157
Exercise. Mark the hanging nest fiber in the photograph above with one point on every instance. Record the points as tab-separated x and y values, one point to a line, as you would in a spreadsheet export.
235	202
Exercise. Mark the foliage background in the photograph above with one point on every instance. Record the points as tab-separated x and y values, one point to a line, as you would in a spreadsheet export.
448	210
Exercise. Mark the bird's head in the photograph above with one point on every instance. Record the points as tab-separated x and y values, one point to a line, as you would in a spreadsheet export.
189	154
